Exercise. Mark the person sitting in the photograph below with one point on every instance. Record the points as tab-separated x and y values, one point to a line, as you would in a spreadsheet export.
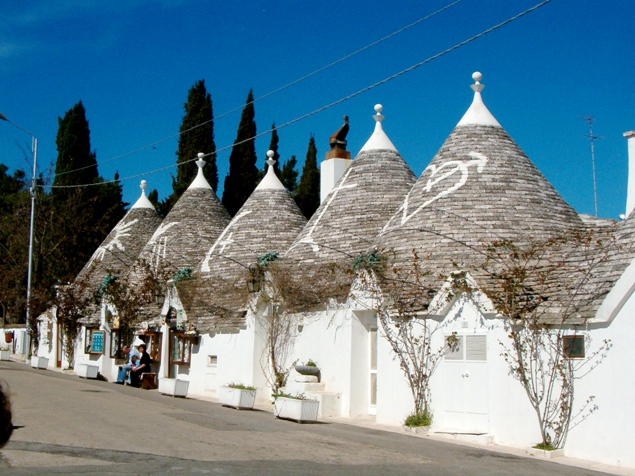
142	367
124	369
134	361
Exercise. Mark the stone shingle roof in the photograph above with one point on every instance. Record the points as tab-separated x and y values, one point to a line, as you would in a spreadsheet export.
187	232
268	222
120	249
354	212
480	187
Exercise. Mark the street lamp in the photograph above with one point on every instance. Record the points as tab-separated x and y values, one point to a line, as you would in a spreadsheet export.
27	343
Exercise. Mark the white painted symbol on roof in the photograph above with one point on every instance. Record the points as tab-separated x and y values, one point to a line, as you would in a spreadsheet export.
224	243
437	175
308	239
121	231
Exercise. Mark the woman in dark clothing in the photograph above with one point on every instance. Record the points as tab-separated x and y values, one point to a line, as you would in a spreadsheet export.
143	366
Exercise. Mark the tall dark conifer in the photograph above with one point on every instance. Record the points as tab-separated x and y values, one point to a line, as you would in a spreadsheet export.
197	135
81	216
289	175
243	173
308	193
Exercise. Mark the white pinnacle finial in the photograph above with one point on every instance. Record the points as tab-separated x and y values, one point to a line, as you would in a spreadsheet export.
143	201
478	114
378	117
200	162
200	181
477	87
270	160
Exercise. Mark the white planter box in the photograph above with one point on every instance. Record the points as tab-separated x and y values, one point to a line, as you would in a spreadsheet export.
39	362
294	409
237	397
86	370
173	387
5	354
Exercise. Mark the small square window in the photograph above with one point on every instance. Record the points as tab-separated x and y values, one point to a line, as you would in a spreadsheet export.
573	347
212	360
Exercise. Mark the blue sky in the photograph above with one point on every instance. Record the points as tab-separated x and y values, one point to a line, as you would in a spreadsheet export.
132	63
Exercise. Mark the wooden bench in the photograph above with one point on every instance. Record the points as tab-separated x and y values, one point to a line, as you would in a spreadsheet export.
148	381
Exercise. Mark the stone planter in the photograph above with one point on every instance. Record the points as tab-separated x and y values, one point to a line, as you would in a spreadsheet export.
545	453
239	398
39	362
417	430
86	370
173	387
309	370
295	409
5	354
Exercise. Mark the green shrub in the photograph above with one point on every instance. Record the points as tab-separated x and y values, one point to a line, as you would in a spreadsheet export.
419	419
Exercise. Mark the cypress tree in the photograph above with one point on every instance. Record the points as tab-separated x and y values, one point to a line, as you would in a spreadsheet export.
81	216
308	193
243	173
196	135
289	176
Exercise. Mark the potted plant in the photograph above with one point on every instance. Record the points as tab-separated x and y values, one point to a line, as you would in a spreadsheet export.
418	422
237	395
173	386
5	353
309	368
295	407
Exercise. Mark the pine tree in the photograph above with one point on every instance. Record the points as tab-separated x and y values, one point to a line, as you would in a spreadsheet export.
243	173
308	193
289	176
196	135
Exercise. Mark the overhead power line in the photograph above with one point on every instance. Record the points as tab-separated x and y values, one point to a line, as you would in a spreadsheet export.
281	88
339	101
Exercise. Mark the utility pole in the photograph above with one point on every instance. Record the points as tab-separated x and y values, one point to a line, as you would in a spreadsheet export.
592	138
32	190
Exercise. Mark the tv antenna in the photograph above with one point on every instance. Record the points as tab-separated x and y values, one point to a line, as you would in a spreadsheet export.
592	139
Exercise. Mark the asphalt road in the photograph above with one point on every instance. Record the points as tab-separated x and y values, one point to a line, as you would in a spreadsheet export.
67	425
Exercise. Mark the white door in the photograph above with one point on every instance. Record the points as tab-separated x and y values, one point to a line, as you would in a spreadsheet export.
373	371
465	385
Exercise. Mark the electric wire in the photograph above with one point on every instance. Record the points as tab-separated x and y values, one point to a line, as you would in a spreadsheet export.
334	103
281	88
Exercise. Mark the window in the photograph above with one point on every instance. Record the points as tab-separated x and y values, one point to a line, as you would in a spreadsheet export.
153	341
181	346
115	345
573	347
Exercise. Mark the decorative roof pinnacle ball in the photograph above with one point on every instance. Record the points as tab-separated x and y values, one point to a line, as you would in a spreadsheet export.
378	117
200	162
143	185
270	160
477	87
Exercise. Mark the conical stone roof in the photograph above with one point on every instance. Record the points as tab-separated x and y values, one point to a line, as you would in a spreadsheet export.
267	222
480	187
354	212
189	229
181	241
121	247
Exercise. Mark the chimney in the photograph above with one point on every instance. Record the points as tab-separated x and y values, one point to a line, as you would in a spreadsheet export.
337	161
630	191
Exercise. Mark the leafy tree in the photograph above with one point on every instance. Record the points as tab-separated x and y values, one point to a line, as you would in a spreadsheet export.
289	175
196	135
243	173
308	193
